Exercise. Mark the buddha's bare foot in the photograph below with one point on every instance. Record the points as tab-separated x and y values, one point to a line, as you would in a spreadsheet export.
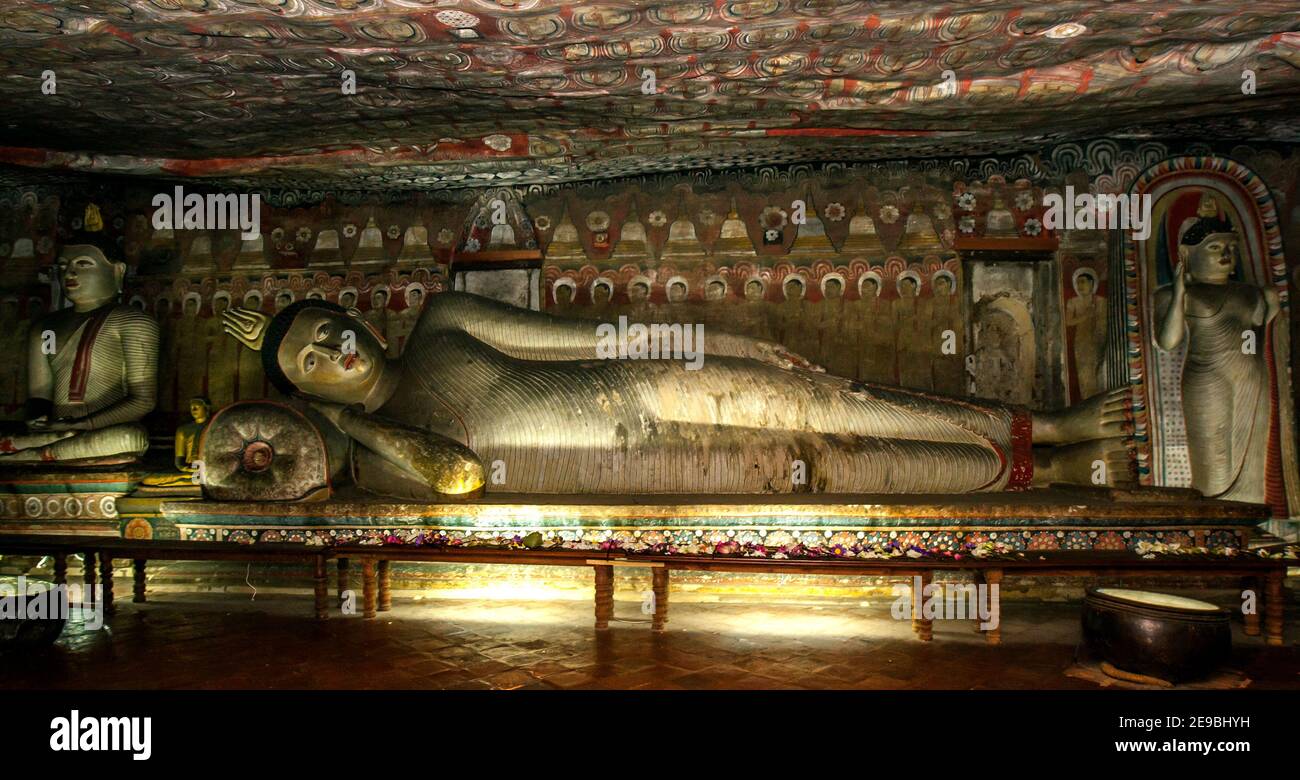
1103	416
1100	462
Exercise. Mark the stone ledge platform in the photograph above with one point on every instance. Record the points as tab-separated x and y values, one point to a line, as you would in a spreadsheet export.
1065	518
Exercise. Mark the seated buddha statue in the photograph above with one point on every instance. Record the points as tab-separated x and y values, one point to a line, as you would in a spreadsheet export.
482	384
92	371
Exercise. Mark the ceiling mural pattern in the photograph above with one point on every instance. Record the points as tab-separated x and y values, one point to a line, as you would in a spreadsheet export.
475	92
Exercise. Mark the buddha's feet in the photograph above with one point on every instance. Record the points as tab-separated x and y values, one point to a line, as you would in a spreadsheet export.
1098	462
1105	415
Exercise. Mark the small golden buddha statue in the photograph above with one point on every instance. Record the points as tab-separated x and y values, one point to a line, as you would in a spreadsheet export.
186	446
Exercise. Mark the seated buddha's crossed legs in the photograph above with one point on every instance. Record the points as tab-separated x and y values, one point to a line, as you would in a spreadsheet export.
117	443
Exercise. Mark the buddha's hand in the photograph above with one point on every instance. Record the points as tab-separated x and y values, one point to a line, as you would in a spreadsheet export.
1180	286
69	424
246	325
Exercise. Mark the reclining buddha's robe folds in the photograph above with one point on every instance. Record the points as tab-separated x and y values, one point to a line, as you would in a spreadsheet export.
539	409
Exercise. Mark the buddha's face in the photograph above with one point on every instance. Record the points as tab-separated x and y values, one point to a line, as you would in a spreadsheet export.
638	293
199	411
716	291
563	295
600	295
676	293
220	304
1085	286
253	302
833	288
942	287
753	291
907	288
870	289
415	298
379	300
311	355
348	299
1212	260
282	300
88	280
793	291
191	307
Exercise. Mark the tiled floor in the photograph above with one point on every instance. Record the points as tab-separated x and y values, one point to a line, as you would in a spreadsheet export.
215	640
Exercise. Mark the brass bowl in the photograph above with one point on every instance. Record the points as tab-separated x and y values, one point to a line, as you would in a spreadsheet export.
19	634
1156	634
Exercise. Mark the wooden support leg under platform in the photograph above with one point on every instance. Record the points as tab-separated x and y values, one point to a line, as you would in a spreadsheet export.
138	582
993	577
343	583
1252	618
60	569
978	577
923	627
385	586
1273	607
88	576
106	575
660	586
368	605
322	589
604	596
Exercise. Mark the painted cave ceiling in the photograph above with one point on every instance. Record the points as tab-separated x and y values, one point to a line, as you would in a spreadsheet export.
475	92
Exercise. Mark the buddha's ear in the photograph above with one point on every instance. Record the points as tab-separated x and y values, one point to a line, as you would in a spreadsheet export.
119	273
355	314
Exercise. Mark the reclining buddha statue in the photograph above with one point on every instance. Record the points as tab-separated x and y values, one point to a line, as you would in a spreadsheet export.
92	371
483	388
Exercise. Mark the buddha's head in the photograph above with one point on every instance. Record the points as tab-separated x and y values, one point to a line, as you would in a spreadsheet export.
715	290
834	288
907	287
414	297
563	294
321	349
200	408
942	285
1209	250
220	302
348	299
754	290
282	300
379	299
677	292
601	293
638	292
1085	285
89	279
793	288
870	288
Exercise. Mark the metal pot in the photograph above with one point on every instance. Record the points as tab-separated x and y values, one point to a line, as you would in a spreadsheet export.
1156	634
